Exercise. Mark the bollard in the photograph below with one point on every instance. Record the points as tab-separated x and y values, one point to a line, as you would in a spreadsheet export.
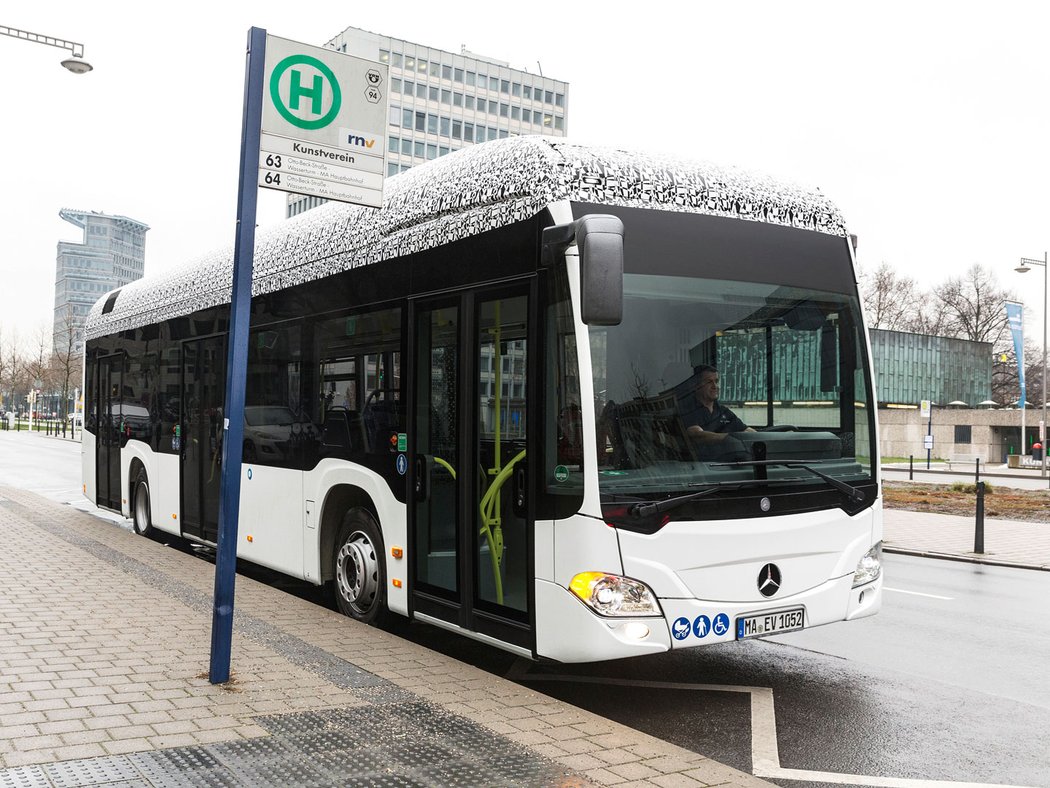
911	467
978	536
977	472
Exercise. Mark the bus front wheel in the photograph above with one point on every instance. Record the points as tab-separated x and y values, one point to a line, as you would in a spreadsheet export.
360	577
140	508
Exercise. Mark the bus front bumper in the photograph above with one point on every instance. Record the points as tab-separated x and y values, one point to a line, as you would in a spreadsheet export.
568	631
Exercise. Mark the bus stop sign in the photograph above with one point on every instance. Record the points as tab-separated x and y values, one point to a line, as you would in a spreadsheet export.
324	119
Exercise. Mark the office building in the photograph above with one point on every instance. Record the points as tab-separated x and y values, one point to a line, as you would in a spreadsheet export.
441	101
112	254
910	368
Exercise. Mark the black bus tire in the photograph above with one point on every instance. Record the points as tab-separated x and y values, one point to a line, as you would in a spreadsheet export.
359	573
141	519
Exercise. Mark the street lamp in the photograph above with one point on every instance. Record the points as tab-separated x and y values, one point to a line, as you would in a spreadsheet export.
1024	268
76	63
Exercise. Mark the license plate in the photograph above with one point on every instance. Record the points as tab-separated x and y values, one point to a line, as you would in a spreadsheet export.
770	623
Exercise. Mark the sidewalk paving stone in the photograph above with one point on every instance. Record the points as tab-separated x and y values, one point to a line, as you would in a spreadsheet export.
1006	542
111	632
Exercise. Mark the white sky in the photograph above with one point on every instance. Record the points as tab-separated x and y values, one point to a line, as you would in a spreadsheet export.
926	122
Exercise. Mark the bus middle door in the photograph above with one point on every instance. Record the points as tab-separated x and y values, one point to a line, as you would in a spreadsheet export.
110	431
203	398
469	520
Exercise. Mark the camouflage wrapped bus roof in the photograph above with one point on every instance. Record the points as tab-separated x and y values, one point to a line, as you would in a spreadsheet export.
465	193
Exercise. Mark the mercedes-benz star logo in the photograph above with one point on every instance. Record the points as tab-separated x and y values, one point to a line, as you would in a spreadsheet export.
769	580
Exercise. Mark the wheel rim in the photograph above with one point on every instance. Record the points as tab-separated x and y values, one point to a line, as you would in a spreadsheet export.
142	507
357	572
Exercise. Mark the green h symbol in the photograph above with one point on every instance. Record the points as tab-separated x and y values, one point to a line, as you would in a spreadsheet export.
298	91
314	93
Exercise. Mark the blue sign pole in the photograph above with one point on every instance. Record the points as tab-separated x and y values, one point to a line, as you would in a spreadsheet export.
237	361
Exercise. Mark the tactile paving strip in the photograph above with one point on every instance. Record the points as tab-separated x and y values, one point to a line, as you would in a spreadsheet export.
24	776
91	771
395	740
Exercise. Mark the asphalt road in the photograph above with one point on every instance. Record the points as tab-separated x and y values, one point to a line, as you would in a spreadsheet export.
948	683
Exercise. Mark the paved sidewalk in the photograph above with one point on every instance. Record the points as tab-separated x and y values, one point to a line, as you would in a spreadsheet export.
104	644
1006	542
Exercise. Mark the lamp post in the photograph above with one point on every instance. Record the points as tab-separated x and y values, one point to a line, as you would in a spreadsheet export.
1024	268
76	63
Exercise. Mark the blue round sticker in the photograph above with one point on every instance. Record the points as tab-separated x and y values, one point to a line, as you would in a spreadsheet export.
402	464
721	624
701	626
680	628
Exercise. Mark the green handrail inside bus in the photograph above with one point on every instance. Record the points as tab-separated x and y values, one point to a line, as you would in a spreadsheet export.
491	524
490	504
446	466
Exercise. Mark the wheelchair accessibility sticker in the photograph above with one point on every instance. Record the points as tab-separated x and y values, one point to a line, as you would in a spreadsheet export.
700	627
721	624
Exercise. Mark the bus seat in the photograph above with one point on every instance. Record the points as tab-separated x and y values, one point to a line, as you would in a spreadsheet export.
343	431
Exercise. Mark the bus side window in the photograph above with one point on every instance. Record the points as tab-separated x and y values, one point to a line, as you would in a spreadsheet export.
358	383
383	414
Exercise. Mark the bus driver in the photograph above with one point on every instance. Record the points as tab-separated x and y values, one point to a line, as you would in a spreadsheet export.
711	421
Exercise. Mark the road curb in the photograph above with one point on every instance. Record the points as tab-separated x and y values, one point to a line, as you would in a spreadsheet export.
969	559
984	475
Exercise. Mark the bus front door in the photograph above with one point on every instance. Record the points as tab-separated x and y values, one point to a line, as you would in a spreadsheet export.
110	427
470	520
203	393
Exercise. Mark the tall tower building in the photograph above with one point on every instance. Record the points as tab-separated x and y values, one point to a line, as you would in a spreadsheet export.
441	101
112	254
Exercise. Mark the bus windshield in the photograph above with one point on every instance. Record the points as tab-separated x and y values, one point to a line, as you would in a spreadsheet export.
712	381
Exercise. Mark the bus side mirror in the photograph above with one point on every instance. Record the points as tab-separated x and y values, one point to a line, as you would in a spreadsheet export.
599	238
600	241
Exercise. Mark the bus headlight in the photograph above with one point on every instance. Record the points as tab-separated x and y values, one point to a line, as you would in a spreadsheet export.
612	595
870	566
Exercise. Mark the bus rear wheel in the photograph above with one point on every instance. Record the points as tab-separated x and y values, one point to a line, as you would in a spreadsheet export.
140	508
360	577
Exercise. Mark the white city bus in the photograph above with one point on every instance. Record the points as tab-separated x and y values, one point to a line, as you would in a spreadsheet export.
471	407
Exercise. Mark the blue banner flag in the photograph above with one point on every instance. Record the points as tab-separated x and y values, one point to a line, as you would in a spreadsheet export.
1015	317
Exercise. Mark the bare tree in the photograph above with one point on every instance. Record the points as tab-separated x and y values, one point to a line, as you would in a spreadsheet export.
6	358
973	306
66	360
891	300
1006	386
38	368
15	375
929	318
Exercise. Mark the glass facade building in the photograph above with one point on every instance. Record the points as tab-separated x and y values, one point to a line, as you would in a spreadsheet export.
912	367
908	369
440	101
112	254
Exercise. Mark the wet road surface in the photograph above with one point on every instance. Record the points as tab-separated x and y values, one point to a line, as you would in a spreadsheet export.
950	682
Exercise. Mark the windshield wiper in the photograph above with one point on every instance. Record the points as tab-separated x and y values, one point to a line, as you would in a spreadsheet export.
656	507
852	492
